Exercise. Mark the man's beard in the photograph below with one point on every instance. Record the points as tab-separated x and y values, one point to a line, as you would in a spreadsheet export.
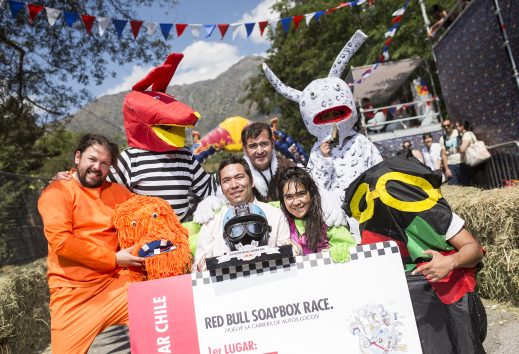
81	175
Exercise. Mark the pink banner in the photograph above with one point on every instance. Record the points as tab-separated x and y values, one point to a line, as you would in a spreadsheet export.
162	316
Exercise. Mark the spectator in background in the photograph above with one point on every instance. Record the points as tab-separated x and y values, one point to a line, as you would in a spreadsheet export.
408	145
441	19
434	155
366	104
476	173
451	142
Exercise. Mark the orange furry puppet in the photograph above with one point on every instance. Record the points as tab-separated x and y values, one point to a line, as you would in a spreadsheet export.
151	226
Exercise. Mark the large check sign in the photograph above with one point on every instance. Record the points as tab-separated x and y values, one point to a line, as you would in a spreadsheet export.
311	305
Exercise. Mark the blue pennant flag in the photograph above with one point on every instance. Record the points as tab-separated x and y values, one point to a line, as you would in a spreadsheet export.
285	23
165	28
249	27
70	17
119	26
317	15
15	7
209	30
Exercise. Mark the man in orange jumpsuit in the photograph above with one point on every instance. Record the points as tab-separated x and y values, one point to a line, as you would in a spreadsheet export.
86	275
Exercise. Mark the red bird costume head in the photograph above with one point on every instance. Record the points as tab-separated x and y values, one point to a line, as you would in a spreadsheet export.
154	120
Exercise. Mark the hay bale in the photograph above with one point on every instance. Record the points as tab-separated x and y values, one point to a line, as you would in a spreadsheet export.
24	309
493	217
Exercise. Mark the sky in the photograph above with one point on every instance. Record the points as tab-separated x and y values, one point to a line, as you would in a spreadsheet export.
204	58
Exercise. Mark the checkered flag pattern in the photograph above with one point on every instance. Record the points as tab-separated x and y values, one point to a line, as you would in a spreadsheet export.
258	269
373	250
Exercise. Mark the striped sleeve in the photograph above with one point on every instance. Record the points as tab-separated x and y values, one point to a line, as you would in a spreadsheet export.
203	184
121	171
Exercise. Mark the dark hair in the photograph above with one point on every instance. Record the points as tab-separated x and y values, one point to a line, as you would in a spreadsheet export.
427	135
91	139
405	142
314	220
232	159
465	124
253	130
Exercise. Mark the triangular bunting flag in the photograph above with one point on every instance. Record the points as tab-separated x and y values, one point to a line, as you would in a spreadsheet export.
391	32
235	27
249	27
180	27
318	15
385	54
119	26
209	30
102	23
272	25
165	28
52	15
223	27
396	19
308	18
151	27
285	23
399	12
136	27
329	11
34	10
297	20
262	25
388	41
15	7
88	21
195	30
70	17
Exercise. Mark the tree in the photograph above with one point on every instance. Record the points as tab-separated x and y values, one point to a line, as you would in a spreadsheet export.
44	71
299	57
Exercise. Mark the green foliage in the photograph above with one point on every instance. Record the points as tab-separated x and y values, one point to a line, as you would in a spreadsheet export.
299	57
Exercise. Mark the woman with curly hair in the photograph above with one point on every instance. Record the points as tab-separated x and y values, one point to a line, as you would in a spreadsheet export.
301	203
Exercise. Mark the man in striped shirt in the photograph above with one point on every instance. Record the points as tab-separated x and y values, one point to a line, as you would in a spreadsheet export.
168	175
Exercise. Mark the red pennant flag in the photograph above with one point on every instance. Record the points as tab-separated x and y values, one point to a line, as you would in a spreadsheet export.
180	28
396	19
388	41
223	27
88	21
296	20
136	27
262	25
34	10
329	11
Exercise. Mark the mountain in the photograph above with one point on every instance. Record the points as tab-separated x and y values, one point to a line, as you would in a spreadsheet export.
214	99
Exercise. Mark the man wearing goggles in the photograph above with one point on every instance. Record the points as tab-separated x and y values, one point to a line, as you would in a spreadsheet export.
243	220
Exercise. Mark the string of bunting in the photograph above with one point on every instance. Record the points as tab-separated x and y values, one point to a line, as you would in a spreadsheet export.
395	24
70	18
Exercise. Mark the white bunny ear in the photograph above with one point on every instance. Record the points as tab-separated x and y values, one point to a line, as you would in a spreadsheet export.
346	53
281	88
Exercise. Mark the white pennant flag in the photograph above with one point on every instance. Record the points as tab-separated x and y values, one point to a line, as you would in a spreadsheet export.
309	17
399	12
150	28
102	23
52	15
390	33
385	53
195	30
235	28
272	25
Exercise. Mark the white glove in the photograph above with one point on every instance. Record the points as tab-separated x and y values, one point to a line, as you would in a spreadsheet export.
334	215
332	211
208	208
